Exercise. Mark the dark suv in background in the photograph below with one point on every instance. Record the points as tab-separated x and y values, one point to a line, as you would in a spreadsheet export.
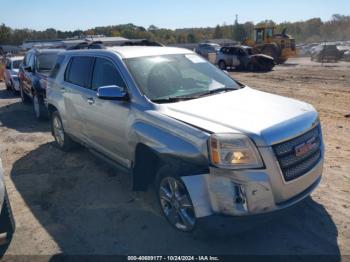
33	74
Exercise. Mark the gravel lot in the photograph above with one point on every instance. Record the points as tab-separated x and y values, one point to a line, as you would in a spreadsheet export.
74	204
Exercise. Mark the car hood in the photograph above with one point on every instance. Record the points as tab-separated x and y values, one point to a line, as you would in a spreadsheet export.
266	118
15	71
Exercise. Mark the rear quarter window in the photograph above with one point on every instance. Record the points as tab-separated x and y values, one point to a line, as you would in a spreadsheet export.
79	71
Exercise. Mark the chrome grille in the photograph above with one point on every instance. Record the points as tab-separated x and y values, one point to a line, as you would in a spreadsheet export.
294	165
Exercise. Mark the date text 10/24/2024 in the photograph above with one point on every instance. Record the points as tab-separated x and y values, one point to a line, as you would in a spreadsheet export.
173	258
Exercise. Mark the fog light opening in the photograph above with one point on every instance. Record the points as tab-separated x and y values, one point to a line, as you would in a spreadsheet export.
239	198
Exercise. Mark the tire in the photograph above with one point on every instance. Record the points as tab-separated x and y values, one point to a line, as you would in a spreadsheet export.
13	89
63	141
12	86
251	67
24	98
39	109
222	65
174	201
8	88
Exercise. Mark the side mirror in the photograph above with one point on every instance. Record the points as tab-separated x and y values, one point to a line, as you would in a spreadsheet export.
28	68
112	92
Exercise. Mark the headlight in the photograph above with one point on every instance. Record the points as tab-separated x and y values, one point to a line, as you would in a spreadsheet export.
233	151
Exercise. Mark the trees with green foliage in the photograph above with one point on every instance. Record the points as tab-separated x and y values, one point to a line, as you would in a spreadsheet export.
312	30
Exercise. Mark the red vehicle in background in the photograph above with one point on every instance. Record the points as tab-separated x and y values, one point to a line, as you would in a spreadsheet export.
33	74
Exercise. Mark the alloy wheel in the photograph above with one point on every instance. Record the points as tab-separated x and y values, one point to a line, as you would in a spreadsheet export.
176	204
58	131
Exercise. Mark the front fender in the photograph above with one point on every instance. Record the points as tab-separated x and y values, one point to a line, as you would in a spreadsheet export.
167	144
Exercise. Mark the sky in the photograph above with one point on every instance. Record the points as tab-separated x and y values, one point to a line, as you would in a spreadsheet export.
85	14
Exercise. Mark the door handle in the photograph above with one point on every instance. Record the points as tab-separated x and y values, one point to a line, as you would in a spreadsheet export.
91	100
62	89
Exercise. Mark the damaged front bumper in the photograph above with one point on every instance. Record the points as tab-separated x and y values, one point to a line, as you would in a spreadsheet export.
249	192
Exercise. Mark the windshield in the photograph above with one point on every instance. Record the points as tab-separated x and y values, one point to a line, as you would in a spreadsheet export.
45	62
16	64
175	76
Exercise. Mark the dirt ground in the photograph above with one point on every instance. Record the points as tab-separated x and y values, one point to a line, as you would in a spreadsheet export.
72	203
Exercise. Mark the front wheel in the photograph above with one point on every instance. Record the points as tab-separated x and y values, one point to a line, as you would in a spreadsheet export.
176	203
8	87
24	97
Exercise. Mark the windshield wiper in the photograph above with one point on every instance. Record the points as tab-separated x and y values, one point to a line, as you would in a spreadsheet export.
218	90
193	96
173	99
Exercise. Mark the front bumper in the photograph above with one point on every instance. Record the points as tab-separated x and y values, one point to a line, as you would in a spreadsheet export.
249	192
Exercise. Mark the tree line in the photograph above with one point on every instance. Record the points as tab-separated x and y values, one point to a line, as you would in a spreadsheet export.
312	30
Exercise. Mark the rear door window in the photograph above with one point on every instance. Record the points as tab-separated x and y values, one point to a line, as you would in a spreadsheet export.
79	71
45	62
105	74
57	66
31	61
26	59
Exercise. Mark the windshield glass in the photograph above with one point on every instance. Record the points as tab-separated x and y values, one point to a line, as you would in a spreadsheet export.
171	76
45	62
16	63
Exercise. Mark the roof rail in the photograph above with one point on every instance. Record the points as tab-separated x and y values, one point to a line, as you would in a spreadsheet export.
100	45
140	42
88	45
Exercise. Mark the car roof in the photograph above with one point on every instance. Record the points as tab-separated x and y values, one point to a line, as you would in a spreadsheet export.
133	51
15	58
46	50
143	51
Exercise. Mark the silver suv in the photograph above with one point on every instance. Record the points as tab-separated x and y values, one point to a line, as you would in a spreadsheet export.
211	145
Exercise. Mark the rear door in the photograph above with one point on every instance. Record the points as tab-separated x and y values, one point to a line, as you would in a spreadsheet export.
234	56
106	120
76	92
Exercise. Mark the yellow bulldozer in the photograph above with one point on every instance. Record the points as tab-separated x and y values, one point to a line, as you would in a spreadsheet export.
279	46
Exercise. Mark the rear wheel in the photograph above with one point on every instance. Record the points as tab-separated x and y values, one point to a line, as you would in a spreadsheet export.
39	109
63	141
176	203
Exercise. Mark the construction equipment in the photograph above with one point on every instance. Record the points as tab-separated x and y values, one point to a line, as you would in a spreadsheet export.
279	46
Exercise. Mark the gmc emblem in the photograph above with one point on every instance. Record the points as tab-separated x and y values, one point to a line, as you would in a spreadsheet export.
304	148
